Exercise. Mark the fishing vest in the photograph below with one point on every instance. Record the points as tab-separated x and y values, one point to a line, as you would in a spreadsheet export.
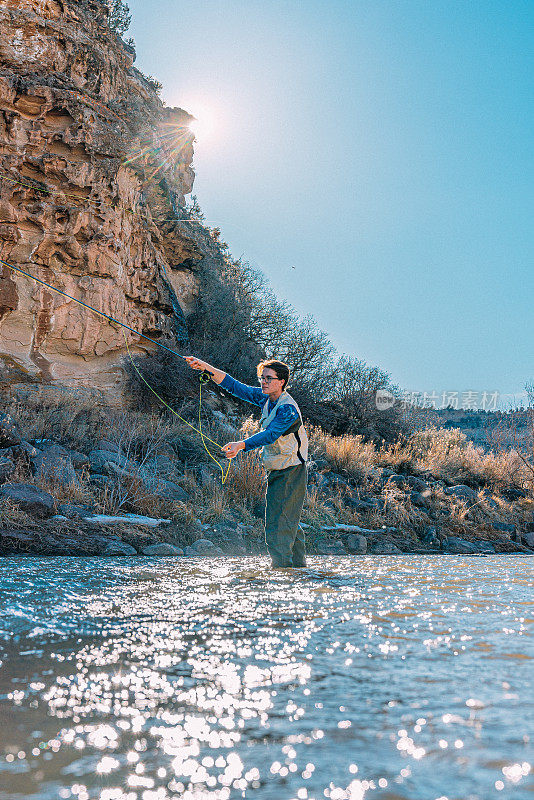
290	449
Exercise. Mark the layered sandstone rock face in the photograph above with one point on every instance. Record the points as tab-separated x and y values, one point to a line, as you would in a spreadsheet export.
93	176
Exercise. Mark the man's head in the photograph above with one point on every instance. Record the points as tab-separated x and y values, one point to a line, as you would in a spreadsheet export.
273	377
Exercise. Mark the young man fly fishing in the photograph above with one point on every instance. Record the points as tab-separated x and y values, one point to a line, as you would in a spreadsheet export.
285	452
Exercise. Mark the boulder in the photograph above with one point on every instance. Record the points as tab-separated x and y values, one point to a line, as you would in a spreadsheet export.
506	527
513	493
79	460
108	446
205	474
430	536
461	492
7	468
421	499
528	539
151	483
13	542
54	464
489	501
355	544
360	506
101	482
9	431
166	489
24	450
330	547
453	544
118	548
384	547
72	511
162	549
258	509
203	547
384	474
397	480
483	546
417	484
29	499
98	459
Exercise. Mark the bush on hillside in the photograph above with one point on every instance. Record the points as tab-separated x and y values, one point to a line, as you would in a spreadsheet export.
238	321
119	16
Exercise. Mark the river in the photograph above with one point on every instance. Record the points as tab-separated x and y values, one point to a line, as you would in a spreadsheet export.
360	678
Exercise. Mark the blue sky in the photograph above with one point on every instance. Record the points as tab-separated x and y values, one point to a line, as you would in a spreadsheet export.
384	150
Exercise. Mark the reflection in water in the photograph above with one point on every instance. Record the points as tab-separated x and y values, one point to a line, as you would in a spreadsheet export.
361	677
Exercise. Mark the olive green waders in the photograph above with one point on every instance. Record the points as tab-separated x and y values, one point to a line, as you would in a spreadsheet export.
286	489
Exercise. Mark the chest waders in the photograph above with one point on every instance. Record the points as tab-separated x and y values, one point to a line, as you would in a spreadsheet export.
285	464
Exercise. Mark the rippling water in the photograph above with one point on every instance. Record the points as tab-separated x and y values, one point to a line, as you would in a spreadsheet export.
361	677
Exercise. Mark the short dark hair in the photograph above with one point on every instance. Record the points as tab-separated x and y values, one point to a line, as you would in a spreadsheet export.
282	370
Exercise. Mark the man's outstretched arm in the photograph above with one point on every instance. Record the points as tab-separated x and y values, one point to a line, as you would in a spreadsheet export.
251	394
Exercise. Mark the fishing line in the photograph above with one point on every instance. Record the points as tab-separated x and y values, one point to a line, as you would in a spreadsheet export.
203	380
204	376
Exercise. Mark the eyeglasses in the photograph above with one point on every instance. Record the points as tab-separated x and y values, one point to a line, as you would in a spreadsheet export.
268	379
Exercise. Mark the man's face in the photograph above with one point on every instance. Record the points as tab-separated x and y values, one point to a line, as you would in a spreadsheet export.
269	382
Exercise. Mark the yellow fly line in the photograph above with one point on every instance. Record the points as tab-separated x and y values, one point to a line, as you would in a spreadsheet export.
204	438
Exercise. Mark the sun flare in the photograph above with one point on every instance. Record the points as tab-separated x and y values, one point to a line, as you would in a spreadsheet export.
202	125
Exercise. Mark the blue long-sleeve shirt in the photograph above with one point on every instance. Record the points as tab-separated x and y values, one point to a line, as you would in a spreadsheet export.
284	418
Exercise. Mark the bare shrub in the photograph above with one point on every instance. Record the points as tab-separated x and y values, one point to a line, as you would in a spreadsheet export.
170	377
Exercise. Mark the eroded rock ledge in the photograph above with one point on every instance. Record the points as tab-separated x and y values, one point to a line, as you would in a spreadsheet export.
94	171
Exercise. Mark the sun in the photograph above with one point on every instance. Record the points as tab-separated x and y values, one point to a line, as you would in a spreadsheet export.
202	126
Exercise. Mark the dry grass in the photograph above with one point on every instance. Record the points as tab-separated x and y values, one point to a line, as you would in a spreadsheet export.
79	492
70	419
11	516
161	446
348	455
445	453
448	454
399	512
214	505
246	479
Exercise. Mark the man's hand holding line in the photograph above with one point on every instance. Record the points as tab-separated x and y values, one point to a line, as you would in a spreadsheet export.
196	363
232	449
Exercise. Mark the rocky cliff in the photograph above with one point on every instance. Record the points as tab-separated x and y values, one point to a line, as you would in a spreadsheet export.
94	171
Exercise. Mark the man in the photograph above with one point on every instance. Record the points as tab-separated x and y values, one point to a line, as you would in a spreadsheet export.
285	451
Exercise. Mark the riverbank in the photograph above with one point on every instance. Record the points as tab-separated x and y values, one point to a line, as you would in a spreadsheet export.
68	463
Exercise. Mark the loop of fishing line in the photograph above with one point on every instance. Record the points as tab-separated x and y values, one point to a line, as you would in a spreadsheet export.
199	430
204	377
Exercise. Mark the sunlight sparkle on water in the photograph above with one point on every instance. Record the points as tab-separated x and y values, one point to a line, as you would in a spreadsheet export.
216	679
